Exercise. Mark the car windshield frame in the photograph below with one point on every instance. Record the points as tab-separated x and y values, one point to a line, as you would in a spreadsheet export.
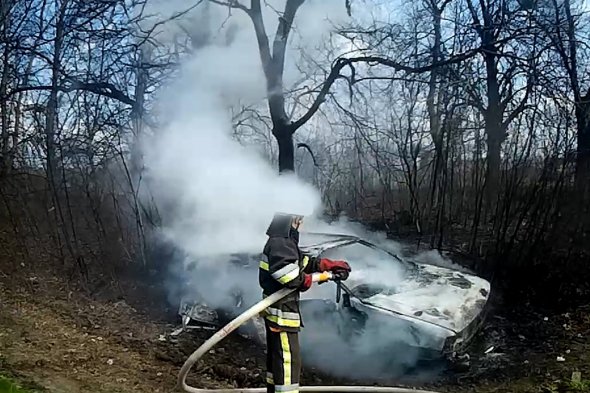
408	265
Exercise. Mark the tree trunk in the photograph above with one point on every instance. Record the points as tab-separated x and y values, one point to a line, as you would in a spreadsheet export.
494	128
583	150
488	29
286	149
5	161
570	60
273	64
52	103
494	143
433	104
51	128
137	117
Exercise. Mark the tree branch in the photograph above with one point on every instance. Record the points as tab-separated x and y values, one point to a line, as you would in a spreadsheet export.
232	4
558	41
306	147
177	15
282	35
341	63
273	63
100	88
476	21
522	105
255	14
573	49
444	5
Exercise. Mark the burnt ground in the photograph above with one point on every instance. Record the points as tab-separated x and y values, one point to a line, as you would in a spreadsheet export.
55	338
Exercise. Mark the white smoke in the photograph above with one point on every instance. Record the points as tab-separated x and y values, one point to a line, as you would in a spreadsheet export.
224	194
344	226
436	258
219	196
371	349
377	352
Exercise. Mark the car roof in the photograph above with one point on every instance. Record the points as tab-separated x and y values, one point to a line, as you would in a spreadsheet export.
314	243
322	241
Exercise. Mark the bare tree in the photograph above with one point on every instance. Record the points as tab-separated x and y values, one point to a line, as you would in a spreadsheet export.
491	21
273	64
564	26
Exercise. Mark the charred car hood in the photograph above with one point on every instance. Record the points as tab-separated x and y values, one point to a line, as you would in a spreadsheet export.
437	295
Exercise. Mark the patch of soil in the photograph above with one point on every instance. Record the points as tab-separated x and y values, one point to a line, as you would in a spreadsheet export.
54	336
527	351
69	343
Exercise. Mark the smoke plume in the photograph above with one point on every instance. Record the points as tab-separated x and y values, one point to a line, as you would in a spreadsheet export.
218	196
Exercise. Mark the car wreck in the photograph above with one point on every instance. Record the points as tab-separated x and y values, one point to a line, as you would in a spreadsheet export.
435	309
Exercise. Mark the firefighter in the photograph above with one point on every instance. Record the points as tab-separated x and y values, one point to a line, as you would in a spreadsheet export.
283	265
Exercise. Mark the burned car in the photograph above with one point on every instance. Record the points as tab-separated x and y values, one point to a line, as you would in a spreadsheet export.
435	309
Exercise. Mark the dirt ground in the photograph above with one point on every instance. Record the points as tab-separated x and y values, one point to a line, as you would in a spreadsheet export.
53	338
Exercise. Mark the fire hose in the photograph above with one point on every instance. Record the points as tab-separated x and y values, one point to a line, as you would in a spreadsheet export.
243	318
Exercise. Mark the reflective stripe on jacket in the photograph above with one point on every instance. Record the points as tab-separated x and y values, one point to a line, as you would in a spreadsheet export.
283	265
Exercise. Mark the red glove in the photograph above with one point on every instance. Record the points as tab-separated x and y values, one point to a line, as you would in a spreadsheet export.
328	265
307	281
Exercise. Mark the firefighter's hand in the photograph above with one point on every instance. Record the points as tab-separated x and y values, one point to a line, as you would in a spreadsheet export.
331	265
340	275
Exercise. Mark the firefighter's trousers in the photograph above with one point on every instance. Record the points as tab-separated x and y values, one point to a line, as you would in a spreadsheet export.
283	361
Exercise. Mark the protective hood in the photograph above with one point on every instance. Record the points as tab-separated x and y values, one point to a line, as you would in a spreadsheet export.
280	225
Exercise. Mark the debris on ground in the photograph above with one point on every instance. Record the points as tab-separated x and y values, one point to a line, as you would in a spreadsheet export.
127	351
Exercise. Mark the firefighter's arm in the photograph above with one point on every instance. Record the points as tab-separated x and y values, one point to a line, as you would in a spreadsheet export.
340	268
312	265
284	265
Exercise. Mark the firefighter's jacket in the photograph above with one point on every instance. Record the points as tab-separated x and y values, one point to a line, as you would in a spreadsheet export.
283	265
